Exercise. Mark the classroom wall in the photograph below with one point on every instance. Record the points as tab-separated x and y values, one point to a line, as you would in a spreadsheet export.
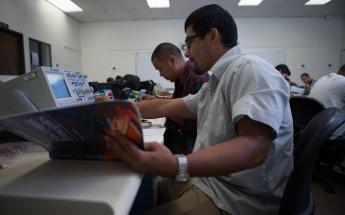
343	32
313	41
42	21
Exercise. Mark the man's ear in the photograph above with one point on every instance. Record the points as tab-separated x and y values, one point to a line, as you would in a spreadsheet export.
172	60
214	34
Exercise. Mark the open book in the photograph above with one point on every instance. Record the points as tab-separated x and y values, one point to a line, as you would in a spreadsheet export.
78	131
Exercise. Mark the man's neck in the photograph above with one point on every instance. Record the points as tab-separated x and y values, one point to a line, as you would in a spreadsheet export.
182	68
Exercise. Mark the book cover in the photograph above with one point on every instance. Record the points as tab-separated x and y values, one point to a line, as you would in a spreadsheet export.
78	131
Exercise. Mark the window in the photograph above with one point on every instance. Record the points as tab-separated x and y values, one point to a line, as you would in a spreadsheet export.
40	53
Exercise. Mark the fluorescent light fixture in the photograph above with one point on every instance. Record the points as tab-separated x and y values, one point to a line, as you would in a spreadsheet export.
317	2
158	3
249	2
66	5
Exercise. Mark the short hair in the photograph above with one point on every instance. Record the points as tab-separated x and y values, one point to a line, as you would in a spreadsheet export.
341	70
305	74
284	69
213	16
118	77
110	79
164	50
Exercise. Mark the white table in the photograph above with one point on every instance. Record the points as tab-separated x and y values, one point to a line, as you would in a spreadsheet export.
35	184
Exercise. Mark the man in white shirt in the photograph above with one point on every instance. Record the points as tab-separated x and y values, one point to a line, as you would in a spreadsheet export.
243	152
330	89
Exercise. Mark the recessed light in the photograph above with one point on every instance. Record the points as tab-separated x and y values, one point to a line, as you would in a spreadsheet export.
249	2
317	2
158	3
66	5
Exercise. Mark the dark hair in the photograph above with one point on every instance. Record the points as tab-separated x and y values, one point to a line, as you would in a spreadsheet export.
283	69
118	77
213	16
110	79
341	70
164	50
305	74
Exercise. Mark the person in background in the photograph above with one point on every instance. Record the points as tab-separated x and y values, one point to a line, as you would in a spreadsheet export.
180	134
243	151
110	80
341	70
308	83
330	89
118	77
285	72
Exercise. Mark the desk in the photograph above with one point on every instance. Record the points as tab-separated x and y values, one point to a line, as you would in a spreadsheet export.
35	184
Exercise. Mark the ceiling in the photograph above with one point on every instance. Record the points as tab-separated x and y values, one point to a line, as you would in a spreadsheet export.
122	10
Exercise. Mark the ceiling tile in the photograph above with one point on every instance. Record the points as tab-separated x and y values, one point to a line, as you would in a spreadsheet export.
112	4
89	5
180	13
138	14
120	15
181	3
93	17
161	13
136	4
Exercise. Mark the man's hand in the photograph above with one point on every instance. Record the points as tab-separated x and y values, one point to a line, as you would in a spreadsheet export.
147	97
102	99
156	159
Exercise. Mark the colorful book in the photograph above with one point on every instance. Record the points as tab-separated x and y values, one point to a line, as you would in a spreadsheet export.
78	132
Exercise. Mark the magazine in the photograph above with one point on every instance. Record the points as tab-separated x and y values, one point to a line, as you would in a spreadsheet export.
78	132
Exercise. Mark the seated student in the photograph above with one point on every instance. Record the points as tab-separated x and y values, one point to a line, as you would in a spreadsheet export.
243	152
285	72
110	80
180	134
330	89
118	77
308	83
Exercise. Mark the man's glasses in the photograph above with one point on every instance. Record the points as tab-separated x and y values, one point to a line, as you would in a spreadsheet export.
189	40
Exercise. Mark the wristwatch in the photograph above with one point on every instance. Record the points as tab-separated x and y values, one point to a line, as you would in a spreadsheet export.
182	174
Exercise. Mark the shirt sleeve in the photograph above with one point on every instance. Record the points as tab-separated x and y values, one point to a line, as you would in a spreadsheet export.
259	92
191	101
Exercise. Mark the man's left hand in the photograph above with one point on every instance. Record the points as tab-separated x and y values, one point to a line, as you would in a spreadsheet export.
156	159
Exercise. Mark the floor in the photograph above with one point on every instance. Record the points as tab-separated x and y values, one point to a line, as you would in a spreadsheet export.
329	203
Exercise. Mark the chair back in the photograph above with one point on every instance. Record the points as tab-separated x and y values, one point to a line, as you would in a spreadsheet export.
297	198
303	109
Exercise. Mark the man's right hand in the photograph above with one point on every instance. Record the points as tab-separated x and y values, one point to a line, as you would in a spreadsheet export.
147	97
102	99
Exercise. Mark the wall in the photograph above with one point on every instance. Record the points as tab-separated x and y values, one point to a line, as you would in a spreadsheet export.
343	32
315	42
110	44
40	20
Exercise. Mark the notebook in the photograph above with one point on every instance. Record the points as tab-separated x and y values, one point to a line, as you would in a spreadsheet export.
78	132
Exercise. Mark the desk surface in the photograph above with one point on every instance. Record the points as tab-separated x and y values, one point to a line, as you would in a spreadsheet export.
35	184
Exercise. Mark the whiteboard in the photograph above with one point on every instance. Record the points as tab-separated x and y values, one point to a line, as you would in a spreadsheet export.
145	70
274	56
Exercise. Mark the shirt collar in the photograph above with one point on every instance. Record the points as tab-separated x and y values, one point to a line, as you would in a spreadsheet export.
223	62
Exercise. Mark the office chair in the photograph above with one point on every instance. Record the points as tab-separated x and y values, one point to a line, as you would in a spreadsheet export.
303	109
297	198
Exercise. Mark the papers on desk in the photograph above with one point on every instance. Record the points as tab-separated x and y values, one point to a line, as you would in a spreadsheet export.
153	134
296	90
158	123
